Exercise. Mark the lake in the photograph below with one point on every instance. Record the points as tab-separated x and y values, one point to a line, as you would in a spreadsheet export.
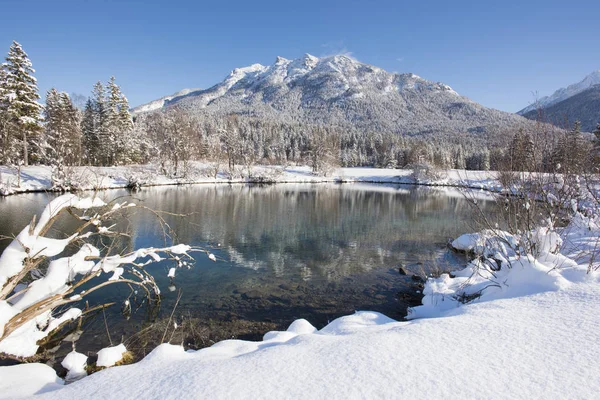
284	252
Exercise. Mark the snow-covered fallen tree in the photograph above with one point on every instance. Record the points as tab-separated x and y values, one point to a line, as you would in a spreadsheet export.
40	275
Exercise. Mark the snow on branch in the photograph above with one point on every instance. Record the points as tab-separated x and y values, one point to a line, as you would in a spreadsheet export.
27	308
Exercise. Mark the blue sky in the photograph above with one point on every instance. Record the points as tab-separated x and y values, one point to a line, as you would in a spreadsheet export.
497	53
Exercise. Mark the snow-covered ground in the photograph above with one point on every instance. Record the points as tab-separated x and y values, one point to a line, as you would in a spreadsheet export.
532	333
39	178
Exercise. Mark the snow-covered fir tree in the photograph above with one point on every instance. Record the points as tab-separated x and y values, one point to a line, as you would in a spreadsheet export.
9	149
90	139
570	151
128	143
100	123
107	126
112	141
521	152
20	109
62	130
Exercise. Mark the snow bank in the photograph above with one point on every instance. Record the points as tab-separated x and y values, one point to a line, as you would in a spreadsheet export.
539	346
508	266
39	178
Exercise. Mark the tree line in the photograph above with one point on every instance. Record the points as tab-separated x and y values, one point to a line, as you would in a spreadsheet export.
104	133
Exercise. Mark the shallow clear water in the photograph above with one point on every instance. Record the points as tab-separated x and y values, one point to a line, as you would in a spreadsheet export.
284	251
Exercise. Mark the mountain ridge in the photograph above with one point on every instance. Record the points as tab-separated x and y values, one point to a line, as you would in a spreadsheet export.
341	91
564	93
583	107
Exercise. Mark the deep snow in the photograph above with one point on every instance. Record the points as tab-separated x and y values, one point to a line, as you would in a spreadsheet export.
539	346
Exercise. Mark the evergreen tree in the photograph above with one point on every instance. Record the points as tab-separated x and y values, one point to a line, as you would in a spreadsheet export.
111	142
20	107
521	152
570	150
128	142
101	153
459	158
576	149
595	161
8	145
89	132
485	162
62	130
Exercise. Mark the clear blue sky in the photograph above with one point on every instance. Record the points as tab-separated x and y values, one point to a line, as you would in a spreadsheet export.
494	52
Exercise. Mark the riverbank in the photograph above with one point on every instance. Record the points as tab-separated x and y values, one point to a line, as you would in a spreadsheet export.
40	179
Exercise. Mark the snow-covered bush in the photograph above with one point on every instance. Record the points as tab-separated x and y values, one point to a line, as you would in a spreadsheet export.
506	265
40	275
424	173
6	185
64	179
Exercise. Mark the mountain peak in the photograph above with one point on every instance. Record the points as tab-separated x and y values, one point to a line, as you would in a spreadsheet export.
564	93
309	60
280	60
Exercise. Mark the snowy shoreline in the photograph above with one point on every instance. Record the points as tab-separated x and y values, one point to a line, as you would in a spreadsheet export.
39	178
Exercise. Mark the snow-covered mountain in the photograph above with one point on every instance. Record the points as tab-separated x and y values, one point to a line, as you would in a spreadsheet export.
564	93
583	107
157	104
341	91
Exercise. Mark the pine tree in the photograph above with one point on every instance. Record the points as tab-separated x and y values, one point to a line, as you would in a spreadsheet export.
570	150
521	152
575	150
459	158
8	145
62	130
89	132
127	142
595	159
21	109
485	162
112	142
102	151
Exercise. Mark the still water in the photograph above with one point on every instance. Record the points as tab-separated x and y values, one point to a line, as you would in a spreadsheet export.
283	252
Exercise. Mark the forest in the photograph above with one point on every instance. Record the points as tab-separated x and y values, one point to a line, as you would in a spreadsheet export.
105	133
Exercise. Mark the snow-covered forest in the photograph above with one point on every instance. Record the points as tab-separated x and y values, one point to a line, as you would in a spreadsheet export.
104	133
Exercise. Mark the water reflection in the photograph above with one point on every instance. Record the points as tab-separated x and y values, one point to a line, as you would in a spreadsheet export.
285	251
311	231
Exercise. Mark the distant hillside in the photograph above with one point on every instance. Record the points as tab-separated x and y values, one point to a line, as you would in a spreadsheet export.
564	93
583	107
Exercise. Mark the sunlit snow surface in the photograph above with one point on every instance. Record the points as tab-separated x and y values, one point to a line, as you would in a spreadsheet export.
39	178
